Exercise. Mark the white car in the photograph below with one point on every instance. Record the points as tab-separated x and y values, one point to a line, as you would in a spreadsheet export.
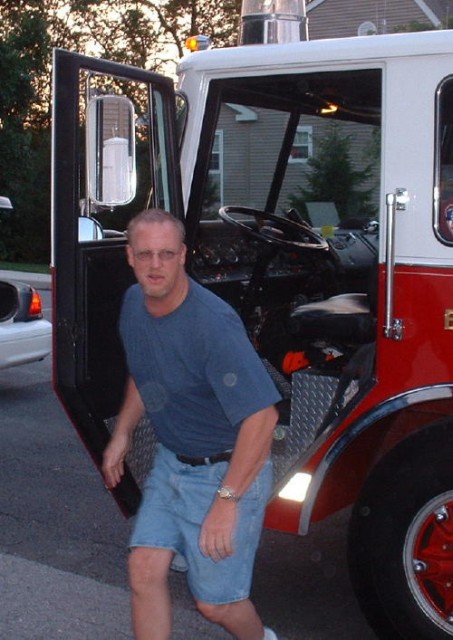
25	336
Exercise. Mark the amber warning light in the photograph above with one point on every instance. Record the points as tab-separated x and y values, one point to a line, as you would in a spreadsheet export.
198	43
273	21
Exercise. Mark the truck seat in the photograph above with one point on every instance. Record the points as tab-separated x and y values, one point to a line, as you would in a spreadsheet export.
341	319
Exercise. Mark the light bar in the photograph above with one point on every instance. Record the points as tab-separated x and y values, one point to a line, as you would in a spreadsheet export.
273	21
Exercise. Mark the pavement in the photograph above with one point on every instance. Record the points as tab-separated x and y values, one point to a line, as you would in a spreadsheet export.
37	280
39	602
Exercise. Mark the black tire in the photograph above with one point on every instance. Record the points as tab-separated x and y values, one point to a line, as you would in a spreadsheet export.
400	544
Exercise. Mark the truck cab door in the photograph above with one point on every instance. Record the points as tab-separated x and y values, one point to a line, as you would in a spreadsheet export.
115	153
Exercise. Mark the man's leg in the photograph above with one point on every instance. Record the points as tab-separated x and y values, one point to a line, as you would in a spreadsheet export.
151	606
238	618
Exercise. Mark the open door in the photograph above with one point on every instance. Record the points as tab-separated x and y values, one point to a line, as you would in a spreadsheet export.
114	154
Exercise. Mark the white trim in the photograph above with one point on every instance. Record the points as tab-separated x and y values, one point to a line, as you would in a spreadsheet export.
308	129
244	113
313	4
429	13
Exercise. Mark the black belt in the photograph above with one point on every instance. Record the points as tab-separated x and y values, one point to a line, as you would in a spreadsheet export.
198	462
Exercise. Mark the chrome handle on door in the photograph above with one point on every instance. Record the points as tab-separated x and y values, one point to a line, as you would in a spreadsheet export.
393	327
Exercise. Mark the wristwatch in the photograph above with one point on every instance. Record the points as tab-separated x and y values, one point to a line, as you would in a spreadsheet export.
225	493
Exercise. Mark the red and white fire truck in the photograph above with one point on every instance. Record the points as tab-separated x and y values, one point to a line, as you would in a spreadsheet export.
347	293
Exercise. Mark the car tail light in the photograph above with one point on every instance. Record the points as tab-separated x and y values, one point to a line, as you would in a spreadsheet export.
35	306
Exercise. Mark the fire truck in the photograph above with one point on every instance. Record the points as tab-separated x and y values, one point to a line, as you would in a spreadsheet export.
345	288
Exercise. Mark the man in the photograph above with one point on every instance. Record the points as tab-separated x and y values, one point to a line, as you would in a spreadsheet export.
195	374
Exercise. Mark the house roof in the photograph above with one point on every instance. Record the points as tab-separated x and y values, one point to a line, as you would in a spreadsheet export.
341	18
441	8
435	10
432	10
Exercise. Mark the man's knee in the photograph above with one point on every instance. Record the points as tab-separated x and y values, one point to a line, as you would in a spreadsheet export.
217	613
148	567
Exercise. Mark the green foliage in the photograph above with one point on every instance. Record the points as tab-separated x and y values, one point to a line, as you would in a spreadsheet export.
28	267
23	58
332	177
414	25
147	34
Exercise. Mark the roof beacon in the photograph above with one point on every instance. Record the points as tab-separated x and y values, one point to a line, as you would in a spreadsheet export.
273	21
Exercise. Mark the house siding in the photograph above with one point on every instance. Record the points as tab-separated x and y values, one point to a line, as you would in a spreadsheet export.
342	18
251	148
247	154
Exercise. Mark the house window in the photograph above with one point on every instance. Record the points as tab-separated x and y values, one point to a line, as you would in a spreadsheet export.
302	148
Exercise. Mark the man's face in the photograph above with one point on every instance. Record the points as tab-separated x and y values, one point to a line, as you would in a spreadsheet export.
157	257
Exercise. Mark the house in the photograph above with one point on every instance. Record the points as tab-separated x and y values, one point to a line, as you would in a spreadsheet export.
346	18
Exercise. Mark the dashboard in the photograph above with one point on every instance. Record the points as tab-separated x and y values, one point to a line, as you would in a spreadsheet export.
355	249
223	253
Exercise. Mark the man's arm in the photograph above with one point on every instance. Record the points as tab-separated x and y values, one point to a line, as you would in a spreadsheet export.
130	413
252	449
250	453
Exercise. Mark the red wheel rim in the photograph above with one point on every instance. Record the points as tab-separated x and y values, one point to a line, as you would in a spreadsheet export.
428	560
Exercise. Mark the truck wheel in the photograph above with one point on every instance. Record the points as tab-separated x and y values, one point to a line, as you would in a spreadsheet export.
400	545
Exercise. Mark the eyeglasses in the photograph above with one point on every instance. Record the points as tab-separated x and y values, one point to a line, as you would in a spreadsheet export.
165	255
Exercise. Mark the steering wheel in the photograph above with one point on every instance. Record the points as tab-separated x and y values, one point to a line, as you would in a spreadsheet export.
281	232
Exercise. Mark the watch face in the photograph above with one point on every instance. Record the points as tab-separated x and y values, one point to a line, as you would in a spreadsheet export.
226	494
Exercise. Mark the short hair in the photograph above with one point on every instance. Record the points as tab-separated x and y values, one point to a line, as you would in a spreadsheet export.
150	216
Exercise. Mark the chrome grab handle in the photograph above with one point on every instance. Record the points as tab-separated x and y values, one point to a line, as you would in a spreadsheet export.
393	327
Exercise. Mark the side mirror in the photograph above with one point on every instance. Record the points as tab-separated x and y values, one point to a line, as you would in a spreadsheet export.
5	203
110	144
89	230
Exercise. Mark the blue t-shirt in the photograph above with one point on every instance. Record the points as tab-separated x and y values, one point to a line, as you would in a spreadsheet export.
196	370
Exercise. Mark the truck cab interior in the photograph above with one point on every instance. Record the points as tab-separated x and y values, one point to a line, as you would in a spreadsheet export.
284	210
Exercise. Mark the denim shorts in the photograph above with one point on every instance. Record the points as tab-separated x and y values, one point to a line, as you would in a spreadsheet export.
176	498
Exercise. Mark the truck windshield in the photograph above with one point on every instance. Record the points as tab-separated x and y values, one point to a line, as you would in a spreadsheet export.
305	141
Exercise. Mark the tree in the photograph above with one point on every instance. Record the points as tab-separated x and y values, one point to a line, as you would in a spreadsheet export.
147	33
23	51
333	178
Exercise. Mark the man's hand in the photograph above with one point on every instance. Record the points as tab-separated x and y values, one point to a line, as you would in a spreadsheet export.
114	456
250	454
216	537
115	453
